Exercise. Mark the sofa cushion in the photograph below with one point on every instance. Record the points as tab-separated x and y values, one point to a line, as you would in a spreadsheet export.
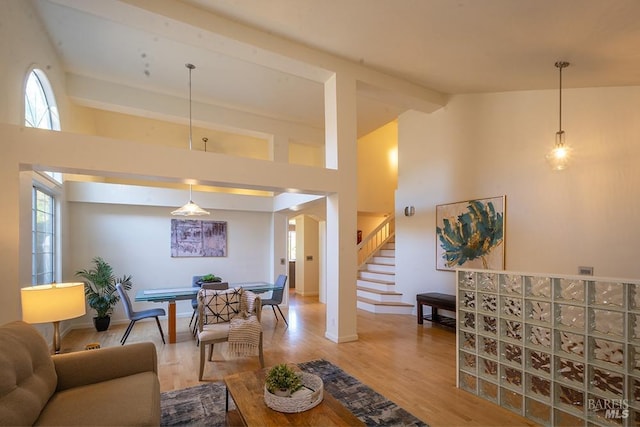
27	375
132	400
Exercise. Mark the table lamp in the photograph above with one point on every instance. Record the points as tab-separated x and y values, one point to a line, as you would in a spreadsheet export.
53	303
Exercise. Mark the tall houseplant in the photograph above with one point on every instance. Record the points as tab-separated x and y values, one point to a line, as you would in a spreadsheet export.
100	290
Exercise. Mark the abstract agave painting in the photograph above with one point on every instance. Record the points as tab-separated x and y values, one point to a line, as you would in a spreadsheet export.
470	234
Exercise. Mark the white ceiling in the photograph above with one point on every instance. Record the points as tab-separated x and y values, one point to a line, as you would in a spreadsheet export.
451	46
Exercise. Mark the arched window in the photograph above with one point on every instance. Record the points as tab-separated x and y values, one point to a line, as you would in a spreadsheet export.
40	109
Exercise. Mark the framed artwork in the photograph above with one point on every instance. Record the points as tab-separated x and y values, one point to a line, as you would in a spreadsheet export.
197	238
470	234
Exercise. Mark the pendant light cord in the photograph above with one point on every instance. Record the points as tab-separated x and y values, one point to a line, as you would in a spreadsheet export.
560	65
190	67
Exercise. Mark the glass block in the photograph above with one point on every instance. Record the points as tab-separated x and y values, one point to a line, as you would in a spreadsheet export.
606	411
607	294
570	371
489	346
467	280
468	362
609	352
511	353
489	390
468	341
570	290
488	282
539	336
569	397
511	400
512	306
468	300
633	384
468	320
538	287
489	324
539	361
564	419
511	283
537	411
488	368
512	329
539	311
511	377
488	303
634	326
634	296
607	322
606	382
570	316
569	343
468	382
538	387
634	359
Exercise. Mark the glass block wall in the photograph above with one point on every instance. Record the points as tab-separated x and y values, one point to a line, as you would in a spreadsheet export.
560	350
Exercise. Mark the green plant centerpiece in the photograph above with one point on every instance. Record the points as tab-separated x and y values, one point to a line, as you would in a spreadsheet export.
210	278
100	290
282	380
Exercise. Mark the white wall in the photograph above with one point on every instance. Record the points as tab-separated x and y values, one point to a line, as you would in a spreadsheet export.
136	240
494	144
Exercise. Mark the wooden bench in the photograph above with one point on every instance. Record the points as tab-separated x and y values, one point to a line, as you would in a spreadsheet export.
435	301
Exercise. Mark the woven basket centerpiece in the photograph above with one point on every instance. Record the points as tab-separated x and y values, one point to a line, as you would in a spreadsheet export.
307	397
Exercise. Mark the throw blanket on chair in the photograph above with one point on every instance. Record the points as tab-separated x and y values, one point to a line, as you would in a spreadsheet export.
245	328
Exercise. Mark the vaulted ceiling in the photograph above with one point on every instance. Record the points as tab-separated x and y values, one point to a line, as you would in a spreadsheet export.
447	46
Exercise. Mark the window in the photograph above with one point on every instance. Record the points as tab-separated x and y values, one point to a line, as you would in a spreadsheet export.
44	237
40	109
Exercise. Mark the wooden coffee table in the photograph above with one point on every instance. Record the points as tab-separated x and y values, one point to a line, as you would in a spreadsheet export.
247	391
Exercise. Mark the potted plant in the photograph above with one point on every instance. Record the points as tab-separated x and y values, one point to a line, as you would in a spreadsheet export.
100	290
282	380
210	278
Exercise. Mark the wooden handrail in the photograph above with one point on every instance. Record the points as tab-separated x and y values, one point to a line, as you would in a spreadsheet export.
374	240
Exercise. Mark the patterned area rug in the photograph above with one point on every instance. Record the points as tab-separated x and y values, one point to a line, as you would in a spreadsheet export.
203	405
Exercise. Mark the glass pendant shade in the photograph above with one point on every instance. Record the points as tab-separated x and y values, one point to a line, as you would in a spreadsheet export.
190	209
560	154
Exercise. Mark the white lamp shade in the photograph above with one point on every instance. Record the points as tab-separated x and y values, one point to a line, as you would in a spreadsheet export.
52	303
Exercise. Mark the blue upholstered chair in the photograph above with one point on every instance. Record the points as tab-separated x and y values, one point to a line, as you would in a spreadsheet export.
134	316
276	297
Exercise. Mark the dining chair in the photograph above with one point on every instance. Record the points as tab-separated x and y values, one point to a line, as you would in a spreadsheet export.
194	302
276	297
230	315
134	316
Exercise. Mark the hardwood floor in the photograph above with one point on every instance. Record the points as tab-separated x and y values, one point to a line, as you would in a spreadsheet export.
410	364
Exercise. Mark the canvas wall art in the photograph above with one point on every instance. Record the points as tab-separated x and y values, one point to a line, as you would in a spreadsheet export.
197	238
470	234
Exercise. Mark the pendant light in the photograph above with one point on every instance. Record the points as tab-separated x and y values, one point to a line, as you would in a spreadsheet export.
190	209
559	156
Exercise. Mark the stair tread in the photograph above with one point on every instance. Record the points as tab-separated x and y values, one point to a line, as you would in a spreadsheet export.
379	282
376	291
374	302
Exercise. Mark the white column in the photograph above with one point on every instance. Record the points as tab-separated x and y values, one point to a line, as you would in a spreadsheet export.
341	255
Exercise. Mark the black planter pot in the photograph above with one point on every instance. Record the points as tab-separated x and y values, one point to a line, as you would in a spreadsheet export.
101	323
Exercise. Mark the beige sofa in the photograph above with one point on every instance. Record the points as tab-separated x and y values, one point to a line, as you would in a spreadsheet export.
114	386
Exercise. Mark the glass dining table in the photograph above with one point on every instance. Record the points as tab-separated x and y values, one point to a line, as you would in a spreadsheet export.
171	295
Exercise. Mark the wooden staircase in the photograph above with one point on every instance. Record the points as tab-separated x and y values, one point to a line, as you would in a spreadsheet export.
376	285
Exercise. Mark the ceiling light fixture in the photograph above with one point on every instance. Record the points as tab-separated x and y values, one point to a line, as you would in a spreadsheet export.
190	209
560	155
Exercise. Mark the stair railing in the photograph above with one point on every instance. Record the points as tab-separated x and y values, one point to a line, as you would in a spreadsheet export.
374	240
